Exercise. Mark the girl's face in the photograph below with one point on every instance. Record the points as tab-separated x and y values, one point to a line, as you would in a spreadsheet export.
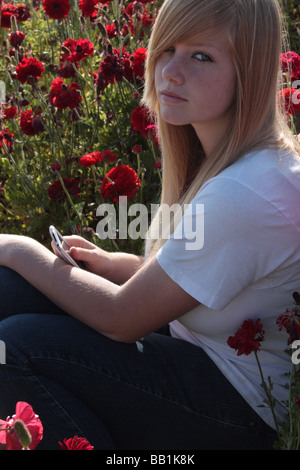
195	84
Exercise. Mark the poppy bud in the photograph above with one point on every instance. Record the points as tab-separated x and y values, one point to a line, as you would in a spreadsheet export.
23	434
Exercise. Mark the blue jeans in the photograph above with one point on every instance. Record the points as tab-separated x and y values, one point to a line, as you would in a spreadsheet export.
160	393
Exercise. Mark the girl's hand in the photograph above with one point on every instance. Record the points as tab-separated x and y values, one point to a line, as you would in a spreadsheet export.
95	259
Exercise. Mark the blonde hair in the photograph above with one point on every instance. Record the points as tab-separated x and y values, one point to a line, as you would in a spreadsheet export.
254	30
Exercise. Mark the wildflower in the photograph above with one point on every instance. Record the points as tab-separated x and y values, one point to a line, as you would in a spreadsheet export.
116	66
78	49
56	166
25	413
290	98
140	120
290	62
76	443
29	67
247	338
90	159
137	149
138	65
16	38
63	96
21	12
6	140
88	7
290	321
10	113
56	191
31	124
56	9
108	156
120	181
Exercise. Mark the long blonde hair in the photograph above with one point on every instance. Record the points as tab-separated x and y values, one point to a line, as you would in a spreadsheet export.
254	29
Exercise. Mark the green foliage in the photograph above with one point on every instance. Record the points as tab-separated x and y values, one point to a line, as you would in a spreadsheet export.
101	122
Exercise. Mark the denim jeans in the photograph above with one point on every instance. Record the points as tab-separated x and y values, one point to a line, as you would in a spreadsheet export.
159	393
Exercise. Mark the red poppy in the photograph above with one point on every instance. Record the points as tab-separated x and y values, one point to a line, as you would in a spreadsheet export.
79	49
138	64
116	66
90	159
76	443
16	38
290	321
25	413
56	9
21	12
120	181
31	124
290	61
63	96
29	68
108	156
56	192
140	120
247	338
6	140
290	98
10	113
88	7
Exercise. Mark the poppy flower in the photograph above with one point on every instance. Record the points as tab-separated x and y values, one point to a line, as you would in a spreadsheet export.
10	113
247	338
6	140
21	12
108	156
29	67
63	96
290	321
88	7
290	61
79	49
31	124
120	181
25	413
56	9
90	159
138	64
56	192
140	120
290	98
116	66
76	443
16	38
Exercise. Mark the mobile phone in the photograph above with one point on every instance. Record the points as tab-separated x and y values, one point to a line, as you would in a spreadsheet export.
62	246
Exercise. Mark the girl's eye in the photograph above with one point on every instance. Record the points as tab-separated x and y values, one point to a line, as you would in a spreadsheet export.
170	49
202	57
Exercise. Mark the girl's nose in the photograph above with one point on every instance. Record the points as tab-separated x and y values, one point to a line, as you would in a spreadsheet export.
173	71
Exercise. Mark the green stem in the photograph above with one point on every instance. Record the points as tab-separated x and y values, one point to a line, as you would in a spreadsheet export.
69	197
268	394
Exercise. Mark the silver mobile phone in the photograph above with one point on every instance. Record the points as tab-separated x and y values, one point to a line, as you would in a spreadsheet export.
62	246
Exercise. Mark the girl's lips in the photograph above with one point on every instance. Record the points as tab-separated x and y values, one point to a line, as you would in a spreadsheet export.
171	97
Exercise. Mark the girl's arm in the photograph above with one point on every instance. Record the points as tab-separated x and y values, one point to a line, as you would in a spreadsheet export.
147	301
116	267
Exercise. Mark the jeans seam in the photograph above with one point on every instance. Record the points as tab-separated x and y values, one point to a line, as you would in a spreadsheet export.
143	390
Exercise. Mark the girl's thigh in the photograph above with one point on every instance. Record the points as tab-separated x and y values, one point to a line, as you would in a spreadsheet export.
19	296
158	393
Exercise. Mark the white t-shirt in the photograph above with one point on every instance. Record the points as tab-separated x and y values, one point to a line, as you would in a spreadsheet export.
248	267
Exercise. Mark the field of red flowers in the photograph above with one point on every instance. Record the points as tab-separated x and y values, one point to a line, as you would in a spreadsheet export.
72	132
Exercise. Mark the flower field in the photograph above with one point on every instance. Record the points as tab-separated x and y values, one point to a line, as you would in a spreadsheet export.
73	134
